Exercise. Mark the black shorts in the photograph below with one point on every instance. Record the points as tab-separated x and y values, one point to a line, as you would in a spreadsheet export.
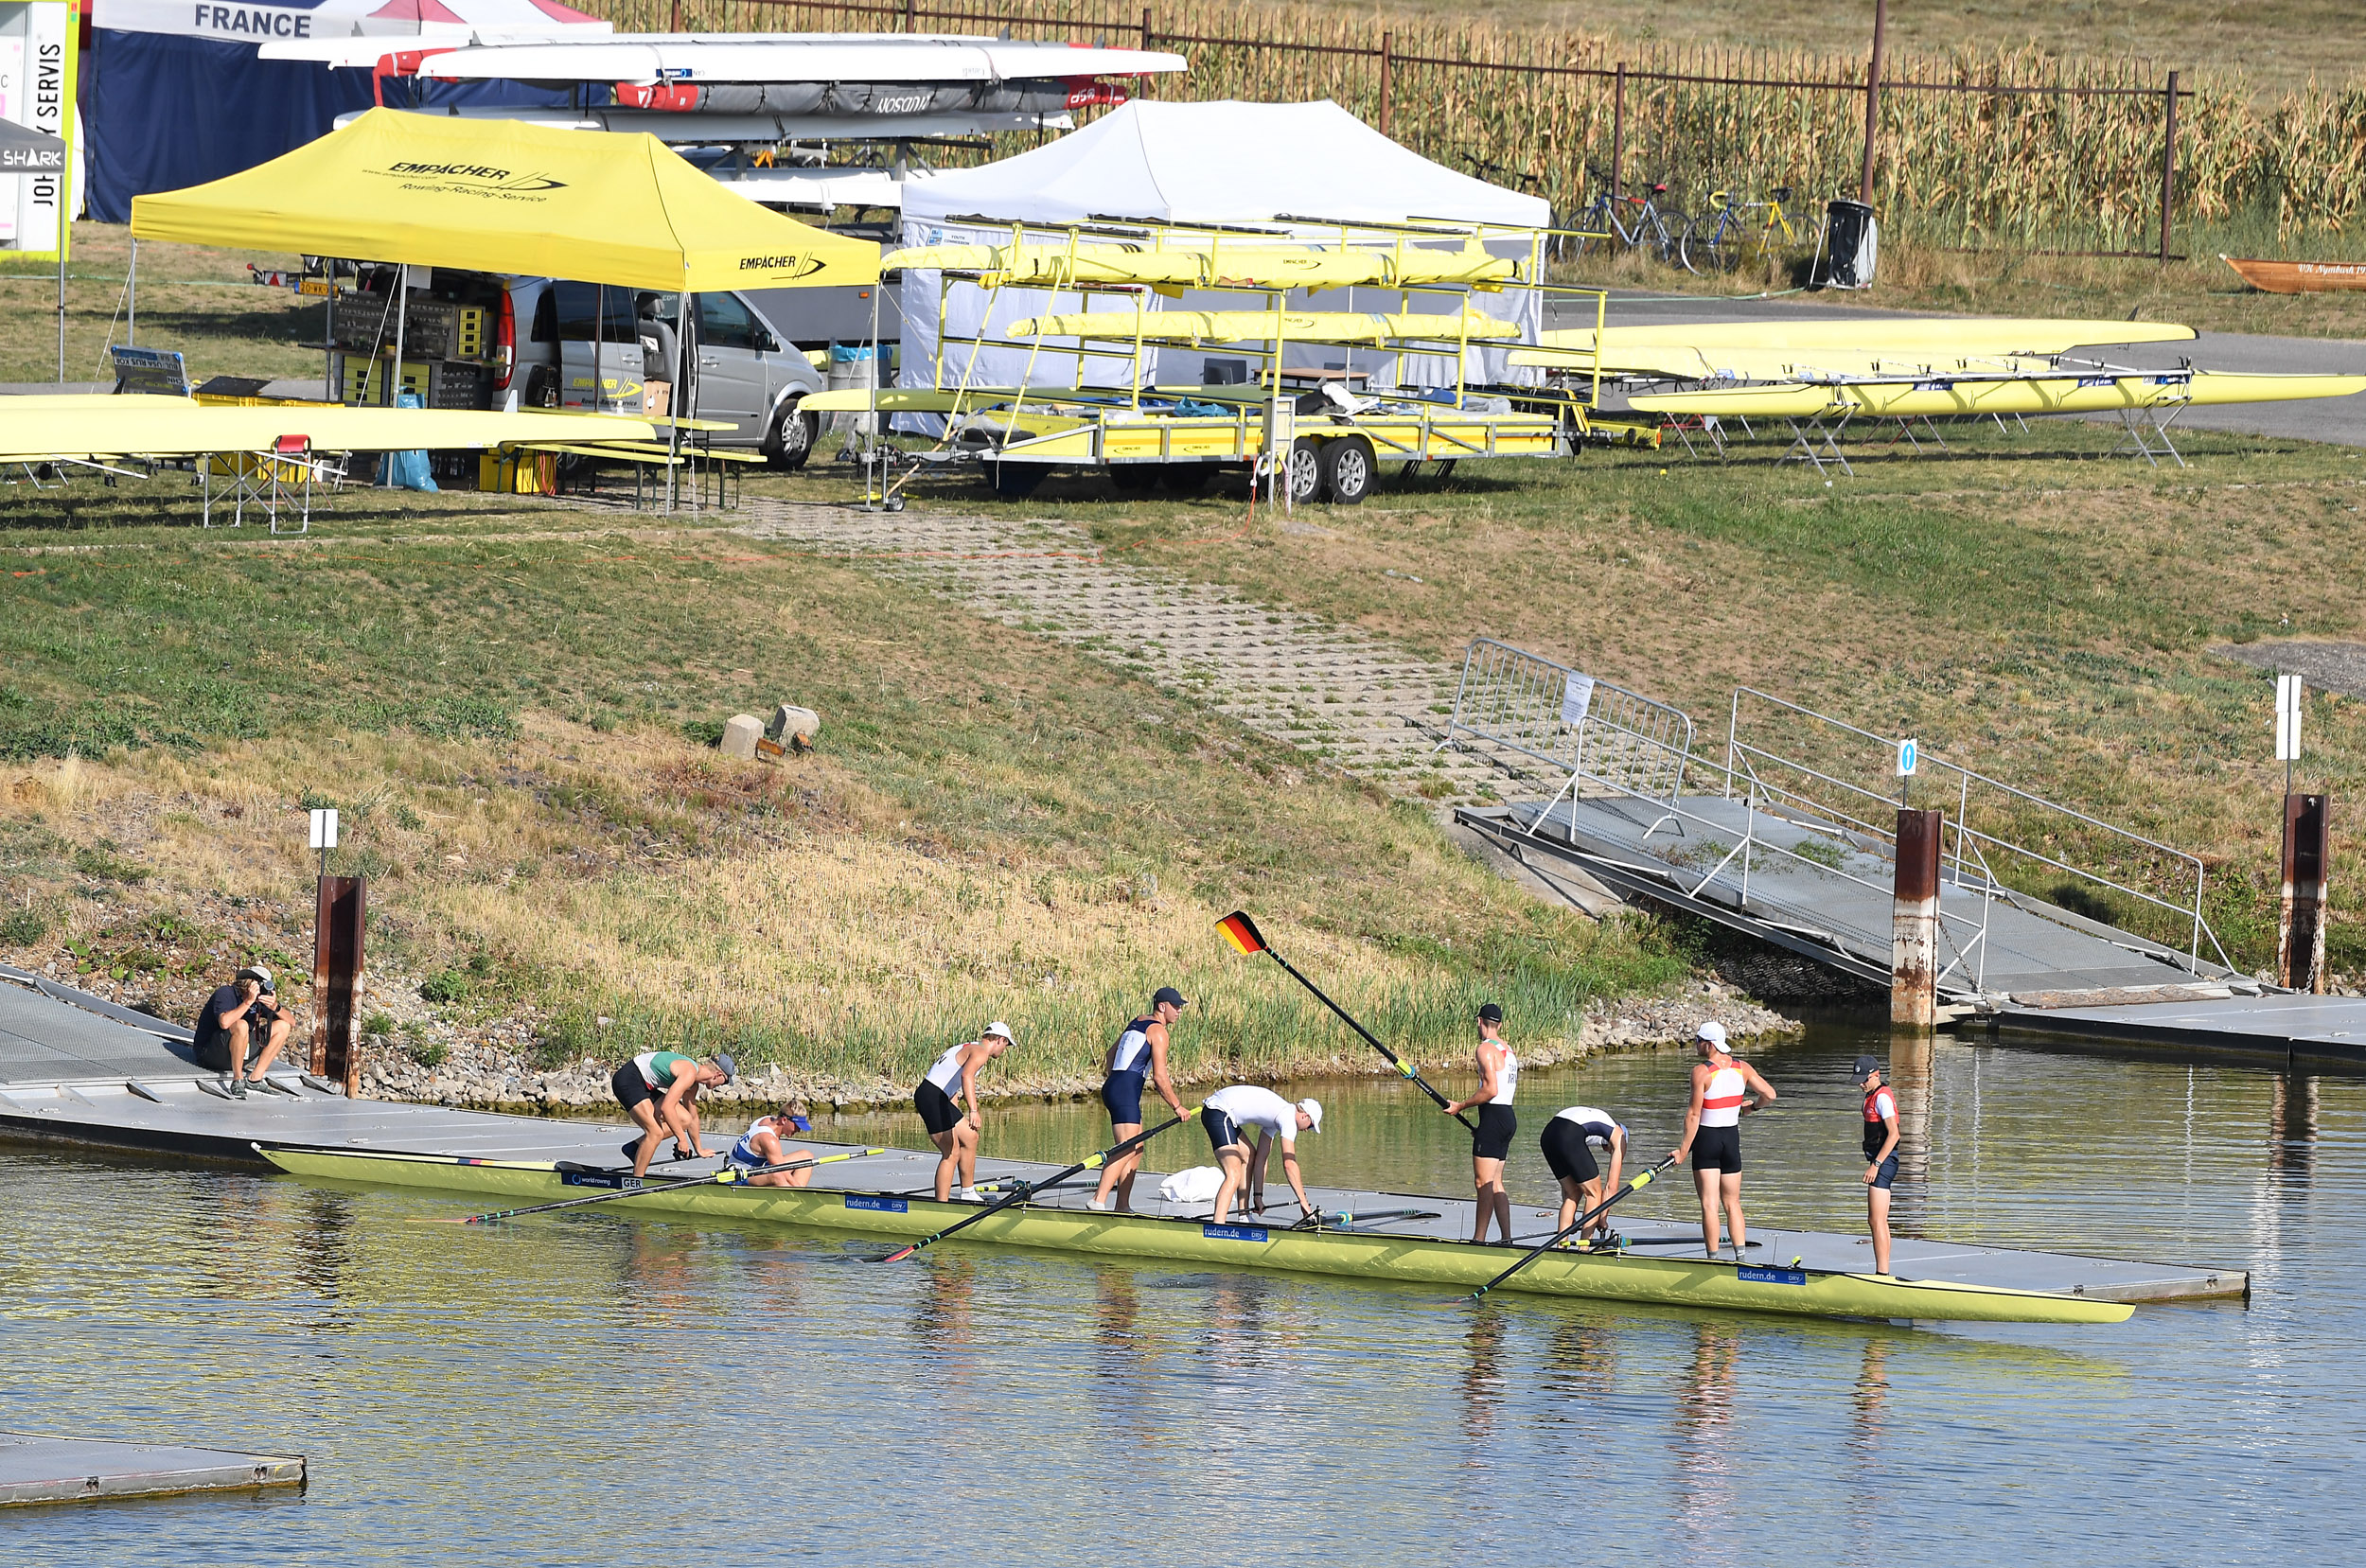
1567	1152
1222	1132
1718	1149
630	1087
936	1111
1885	1173
1492	1140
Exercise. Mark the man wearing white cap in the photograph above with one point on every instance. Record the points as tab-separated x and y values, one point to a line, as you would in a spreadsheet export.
1229	1116
242	1030
1720	1091
947	1102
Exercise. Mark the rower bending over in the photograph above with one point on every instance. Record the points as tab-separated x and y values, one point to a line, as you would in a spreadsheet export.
1569	1141
1881	1153
938	1101
762	1145
659	1089
1229	1115
1140	1053
1490	1141
1713	1133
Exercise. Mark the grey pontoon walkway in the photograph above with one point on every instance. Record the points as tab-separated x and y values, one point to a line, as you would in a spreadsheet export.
1839	915
39	1468
2289	1031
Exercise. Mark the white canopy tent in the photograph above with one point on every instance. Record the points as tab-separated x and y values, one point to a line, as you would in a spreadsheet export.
1308	169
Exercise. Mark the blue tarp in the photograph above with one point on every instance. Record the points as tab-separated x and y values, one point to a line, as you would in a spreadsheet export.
160	112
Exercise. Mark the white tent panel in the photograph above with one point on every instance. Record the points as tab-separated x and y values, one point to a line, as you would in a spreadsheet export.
1307	168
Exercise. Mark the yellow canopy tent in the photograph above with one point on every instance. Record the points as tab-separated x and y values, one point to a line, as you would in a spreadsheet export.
501	196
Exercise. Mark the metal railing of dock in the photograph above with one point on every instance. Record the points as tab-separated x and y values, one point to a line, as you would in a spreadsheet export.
1570	721
1802	786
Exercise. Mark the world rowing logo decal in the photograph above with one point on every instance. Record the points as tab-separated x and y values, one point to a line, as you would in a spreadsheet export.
460	178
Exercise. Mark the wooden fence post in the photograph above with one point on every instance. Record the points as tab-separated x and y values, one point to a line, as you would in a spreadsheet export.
2168	162
1388	56
1617	127
1873	99
1146	32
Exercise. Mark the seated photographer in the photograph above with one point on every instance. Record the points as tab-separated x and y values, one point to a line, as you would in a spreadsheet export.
242	1030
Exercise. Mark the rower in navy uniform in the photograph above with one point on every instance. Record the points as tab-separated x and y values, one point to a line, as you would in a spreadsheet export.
1569	1141
1490	1141
1139	1055
1881	1153
763	1148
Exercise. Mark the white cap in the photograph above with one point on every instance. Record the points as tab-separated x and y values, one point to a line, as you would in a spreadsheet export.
262	975
999	1026
1314	1109
1713	1032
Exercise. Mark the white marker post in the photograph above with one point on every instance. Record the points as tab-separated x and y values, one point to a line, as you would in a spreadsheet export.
2288	692
325	833
1909	758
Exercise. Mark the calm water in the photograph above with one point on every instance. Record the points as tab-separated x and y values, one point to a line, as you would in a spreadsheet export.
587	1390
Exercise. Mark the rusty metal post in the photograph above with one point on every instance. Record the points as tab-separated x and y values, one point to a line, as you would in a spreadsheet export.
1618	128
2300	926
1147	19
340	907
1873	98
1915	920
908	16
2168	162
677	24
1388	57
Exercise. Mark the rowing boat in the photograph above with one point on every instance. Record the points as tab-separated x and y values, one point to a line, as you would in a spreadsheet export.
1350	1253
1944	395
2298	277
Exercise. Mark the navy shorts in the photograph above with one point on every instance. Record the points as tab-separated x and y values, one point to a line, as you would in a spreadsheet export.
936	1111
1885	1174
1222	1132
1122	1094
1718	1149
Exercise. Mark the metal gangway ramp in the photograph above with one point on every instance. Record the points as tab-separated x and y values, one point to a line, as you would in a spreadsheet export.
1793	839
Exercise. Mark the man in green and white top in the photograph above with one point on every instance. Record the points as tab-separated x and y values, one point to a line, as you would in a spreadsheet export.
659	1089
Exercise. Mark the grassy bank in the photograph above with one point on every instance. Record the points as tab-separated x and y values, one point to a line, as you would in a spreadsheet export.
513	715
2030	607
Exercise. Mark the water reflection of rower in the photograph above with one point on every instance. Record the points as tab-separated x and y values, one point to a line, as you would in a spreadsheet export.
1705	1496
2292	1123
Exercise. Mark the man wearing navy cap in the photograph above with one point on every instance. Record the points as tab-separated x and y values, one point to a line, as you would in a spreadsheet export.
1140	1055
1881	1153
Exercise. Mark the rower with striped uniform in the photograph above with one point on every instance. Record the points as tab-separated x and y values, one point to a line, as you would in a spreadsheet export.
1722	1088
1490	1140
939	1099
764	1145
1139	1055
1569	1141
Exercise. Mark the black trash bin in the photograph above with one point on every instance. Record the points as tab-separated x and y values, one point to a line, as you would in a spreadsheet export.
1851	245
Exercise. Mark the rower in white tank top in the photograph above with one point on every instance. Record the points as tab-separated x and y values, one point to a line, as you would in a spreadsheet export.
947	1074
1721	1104
1507	1077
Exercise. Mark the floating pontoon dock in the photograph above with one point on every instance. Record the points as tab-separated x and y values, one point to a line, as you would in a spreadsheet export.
37	1469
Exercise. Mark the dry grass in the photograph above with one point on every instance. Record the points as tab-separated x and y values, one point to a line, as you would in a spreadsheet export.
512	725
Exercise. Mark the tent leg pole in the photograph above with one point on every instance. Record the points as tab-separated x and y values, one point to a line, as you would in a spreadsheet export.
65	221
132	286
677	408
393	371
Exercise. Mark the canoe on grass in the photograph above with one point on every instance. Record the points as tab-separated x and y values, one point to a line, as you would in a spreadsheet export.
1248	1244
2298	277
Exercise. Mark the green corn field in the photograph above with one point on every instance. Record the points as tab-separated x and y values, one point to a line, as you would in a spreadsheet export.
2079	168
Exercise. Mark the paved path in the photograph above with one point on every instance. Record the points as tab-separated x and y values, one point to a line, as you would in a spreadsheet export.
1367	707
2335	419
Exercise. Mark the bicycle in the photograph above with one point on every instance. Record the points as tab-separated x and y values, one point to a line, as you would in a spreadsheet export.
1727	240
1657	225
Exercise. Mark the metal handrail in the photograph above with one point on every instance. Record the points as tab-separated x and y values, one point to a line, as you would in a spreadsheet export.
1737	749
1514	699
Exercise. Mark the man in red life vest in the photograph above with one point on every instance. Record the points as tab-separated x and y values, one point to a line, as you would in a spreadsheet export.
1881	1151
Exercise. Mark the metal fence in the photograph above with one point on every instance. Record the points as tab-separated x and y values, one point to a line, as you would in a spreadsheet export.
2091	153
1570	722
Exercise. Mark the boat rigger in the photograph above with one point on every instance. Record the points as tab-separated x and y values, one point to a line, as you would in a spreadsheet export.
1380	1236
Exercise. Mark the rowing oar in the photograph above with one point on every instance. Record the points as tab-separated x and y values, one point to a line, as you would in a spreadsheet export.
1242	933
729	1176
1637	1184
1023	1192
